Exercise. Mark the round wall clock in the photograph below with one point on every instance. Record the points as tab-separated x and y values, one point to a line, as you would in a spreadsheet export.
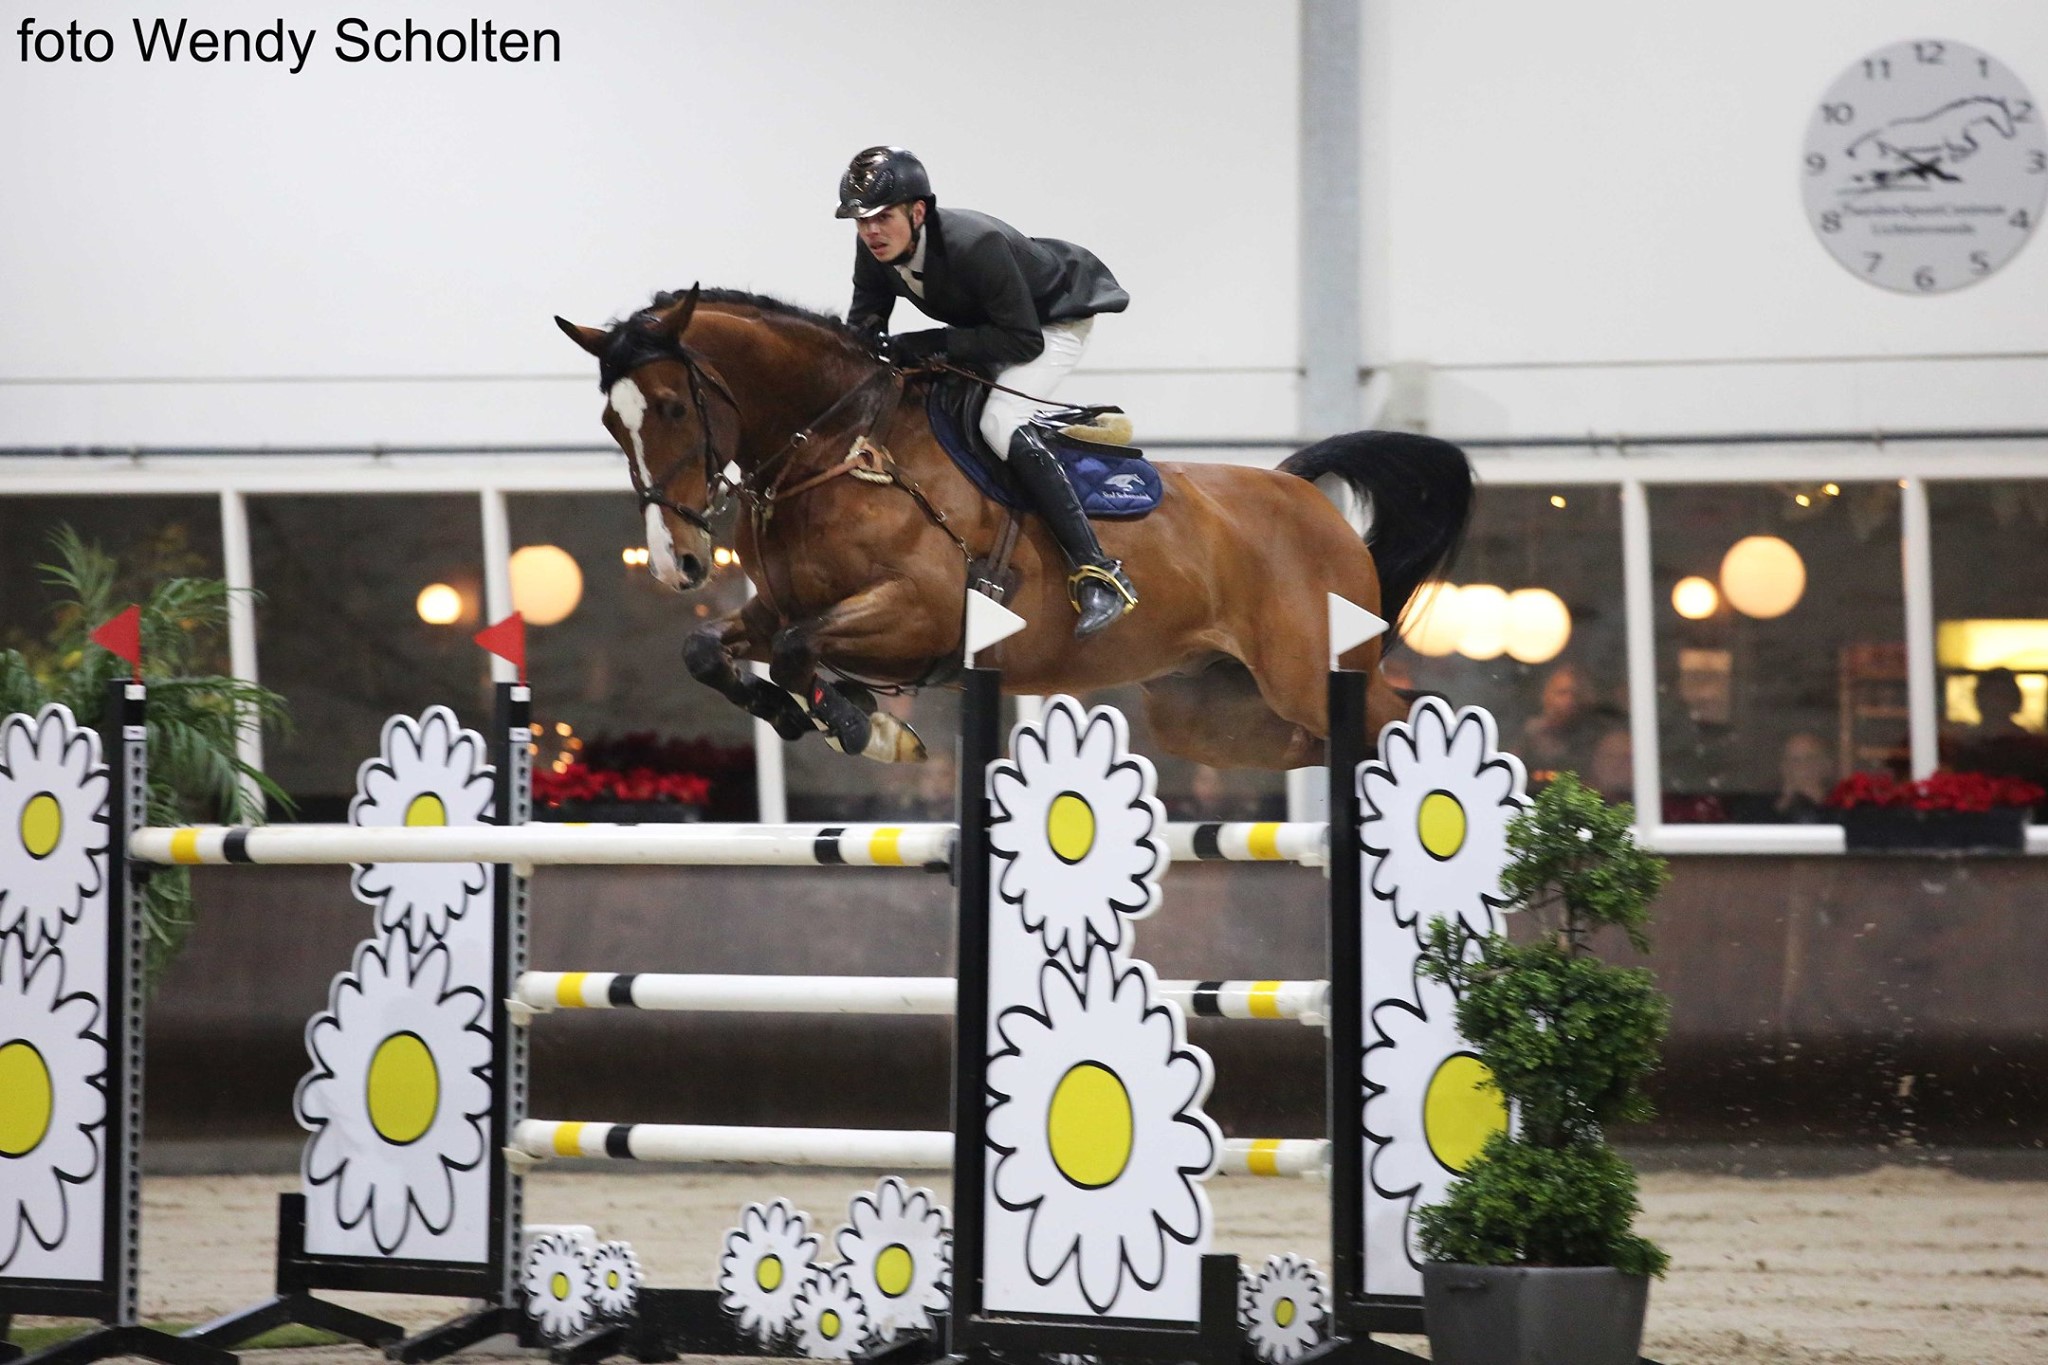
1925	166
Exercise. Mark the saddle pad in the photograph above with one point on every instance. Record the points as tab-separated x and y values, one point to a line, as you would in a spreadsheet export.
1110	483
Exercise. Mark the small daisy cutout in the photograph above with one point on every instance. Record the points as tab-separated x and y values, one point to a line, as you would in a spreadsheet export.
616	1274
53	824
831	1320
766	1261
559	1286
898	1249
1282	1308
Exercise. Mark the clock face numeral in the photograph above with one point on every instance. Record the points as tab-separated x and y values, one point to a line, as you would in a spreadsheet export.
1925	166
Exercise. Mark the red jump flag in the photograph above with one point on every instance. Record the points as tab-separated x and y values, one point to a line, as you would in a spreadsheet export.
507	640
123	636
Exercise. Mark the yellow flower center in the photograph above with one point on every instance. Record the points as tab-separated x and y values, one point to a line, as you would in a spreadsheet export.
892	1270
1070	827
42	824
1089	1126
768	1273
1441	823
828	1325
1283	1313
558	1285
1461	1111
27	1099
426	809
611	1279
404	1088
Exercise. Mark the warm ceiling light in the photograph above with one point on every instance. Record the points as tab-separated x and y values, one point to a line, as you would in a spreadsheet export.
634	556
1762	576
1976	645
1695	598
722	556
1485	608
1833	490
547	583
1802	499
1433	626
1557	499
439	605
1539	624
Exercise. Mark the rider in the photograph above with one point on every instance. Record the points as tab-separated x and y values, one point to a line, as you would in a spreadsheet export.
1018	309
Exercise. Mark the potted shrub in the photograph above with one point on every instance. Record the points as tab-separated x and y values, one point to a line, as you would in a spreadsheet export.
1950	812
196	774
1533	1257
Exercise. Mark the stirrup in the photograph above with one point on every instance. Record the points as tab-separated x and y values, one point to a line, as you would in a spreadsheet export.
1113	576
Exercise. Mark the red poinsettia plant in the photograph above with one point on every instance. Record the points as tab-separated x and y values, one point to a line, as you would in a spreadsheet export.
641	768
1943	791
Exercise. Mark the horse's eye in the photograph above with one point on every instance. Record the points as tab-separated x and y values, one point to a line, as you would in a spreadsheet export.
671	409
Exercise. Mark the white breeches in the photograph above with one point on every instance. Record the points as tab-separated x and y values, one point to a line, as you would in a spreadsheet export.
1064	342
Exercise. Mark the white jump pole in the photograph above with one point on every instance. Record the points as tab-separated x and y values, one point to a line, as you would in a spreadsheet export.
540	1139
542	992
549	844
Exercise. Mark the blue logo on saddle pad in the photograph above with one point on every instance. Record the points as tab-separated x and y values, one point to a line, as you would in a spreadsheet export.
1109	484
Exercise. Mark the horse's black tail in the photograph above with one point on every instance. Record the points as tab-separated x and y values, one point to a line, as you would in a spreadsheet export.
1417	496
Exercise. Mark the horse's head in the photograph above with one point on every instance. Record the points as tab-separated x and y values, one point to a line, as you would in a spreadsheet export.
676	420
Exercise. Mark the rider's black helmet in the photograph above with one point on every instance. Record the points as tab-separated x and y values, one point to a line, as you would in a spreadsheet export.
879	177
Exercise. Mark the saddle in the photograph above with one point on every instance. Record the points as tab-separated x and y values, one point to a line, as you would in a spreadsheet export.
1112	477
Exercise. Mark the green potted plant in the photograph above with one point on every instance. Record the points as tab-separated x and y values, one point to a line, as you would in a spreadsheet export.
195	715
1533	1256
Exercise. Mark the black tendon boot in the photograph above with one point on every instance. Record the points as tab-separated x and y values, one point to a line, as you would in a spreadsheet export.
1097	586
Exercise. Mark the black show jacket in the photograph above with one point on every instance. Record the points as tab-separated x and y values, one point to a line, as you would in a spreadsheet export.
995	288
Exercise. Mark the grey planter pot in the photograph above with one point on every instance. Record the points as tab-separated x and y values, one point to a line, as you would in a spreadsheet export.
1533	1315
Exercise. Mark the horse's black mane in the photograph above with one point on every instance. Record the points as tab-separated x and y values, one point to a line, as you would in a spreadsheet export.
633	343
831	322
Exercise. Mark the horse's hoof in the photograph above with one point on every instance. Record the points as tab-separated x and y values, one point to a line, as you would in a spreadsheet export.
892	741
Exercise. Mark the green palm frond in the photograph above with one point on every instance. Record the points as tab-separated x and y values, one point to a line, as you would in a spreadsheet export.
196	715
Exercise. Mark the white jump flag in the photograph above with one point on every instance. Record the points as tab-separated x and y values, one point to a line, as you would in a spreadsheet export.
988	621
1350	626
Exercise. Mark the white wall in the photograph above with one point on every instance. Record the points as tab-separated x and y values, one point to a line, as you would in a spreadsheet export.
373	254
1586	215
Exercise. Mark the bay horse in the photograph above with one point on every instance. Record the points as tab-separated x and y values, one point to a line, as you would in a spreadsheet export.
720	392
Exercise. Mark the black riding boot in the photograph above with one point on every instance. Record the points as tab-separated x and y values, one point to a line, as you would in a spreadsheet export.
1097	586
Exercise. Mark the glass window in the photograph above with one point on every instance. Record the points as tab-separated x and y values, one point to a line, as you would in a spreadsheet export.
1530	626
151	539
1780	645
343	630
1991	629
609	686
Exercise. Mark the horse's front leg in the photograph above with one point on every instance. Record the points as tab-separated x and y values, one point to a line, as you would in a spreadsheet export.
855	628
712	654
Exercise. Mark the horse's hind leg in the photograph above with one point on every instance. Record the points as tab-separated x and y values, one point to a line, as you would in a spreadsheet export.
1218	717
711	654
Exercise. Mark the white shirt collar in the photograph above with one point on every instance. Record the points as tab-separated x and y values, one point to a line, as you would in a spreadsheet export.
914	267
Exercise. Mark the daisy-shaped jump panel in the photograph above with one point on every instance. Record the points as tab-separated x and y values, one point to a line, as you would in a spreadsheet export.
1434	809
617	1278
1077	830
428	772
53	826
766	1260
1282	1308
398	1104
831	1320
1430	1109
53	1110
1100	1146
898	1247
559	1285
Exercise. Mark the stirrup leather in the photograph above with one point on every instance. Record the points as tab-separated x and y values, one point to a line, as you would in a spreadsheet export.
1097	573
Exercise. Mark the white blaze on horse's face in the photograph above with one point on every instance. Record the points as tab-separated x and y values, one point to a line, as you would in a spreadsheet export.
662	561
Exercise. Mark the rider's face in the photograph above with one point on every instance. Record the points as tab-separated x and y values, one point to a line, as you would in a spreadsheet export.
887	234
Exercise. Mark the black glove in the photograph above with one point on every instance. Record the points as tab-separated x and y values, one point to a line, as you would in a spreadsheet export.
907	349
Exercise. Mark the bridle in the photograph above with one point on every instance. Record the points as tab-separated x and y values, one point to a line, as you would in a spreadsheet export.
718	489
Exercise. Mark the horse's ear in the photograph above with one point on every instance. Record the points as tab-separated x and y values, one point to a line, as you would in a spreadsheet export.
671	322
591	339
